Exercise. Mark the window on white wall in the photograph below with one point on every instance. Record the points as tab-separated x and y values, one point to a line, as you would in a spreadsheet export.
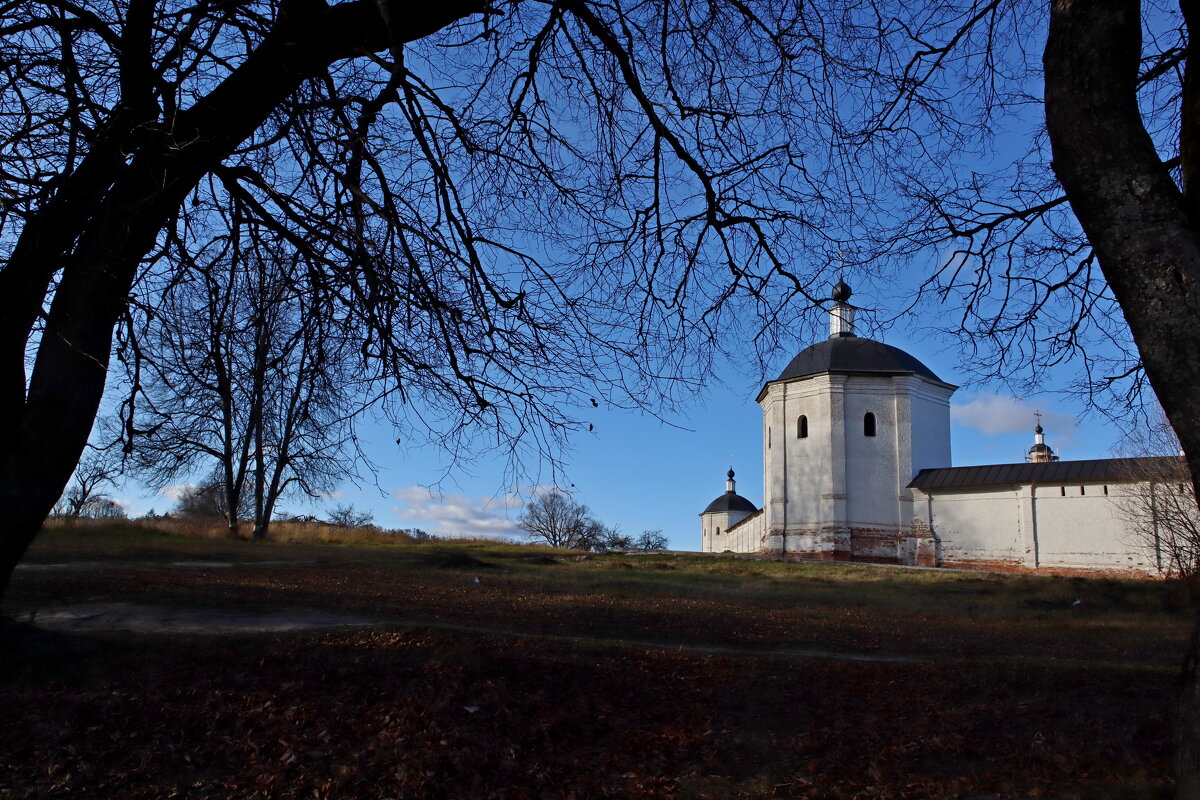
869	424
802	427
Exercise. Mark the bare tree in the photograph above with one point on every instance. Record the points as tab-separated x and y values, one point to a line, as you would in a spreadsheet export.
651	540
1159	504
209	500
572	192
348	516
103	508
243	366
554	518
523	206
1160	510
605	538
97	468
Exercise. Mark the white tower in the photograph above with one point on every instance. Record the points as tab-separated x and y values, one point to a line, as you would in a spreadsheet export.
715	521
846	425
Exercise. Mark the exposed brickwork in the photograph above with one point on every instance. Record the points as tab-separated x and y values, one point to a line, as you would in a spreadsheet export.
918	546
1019	568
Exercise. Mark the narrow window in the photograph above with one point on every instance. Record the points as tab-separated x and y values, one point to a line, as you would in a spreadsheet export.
1106	490
768	438
802	427
1081	492
1062	490
718	531
869	424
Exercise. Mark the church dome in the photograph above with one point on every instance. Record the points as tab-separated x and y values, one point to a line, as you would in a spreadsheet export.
730	501
854	354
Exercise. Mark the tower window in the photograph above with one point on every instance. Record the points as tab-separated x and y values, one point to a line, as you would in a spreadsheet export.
718	531
802	427
869	424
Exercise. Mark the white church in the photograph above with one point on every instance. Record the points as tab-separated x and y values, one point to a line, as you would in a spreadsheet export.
856	466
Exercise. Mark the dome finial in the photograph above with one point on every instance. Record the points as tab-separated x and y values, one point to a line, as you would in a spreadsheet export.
841	316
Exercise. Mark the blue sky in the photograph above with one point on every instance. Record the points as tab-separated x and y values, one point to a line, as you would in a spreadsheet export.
638	473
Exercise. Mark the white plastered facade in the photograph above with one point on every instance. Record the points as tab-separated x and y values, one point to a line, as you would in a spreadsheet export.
833	492
837	491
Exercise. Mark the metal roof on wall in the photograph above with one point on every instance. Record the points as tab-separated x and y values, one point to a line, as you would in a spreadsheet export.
1112	469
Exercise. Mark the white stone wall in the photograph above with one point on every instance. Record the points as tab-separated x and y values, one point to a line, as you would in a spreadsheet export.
837	486
713	526
1034	526
744	537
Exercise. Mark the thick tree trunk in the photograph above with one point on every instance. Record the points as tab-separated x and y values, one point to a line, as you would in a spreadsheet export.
106	217
1143	231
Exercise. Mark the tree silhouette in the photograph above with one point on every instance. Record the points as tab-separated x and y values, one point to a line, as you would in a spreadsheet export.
517	207
526	205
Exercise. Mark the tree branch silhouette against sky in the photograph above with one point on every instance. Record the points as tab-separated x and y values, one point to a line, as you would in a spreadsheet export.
522	209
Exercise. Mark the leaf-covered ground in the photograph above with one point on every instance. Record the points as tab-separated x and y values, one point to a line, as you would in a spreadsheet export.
525	684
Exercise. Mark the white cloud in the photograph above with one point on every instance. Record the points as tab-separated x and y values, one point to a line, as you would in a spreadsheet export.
130	507
999	415
176	491
456	515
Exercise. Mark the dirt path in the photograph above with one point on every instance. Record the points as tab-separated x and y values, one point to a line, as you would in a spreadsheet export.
137	618
88	617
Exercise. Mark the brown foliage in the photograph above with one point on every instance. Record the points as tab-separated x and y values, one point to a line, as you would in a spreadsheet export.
709	695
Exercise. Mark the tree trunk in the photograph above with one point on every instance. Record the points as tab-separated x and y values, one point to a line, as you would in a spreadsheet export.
1143	232
113	208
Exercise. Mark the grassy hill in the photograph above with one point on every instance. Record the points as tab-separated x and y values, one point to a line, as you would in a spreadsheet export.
493	670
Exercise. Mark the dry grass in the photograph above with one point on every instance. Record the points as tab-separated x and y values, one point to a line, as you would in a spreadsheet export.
280	531
554	674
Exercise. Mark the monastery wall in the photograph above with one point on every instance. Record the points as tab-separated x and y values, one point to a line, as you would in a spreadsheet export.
745	536
1077	526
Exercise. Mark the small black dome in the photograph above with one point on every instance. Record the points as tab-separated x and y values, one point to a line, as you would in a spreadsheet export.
730	473
854	354
841	291
730	501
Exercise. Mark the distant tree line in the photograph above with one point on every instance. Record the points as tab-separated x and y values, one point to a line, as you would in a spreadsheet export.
554	518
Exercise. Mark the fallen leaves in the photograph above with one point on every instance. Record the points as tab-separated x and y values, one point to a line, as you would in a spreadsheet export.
421	712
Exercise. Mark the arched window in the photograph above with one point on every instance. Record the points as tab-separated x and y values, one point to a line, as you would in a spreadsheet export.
802	427
869	424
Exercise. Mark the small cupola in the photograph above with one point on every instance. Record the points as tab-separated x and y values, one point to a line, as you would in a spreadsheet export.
1040	452
841	316
731	500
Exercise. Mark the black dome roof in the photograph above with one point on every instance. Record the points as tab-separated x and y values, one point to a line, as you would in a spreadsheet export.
730	501
854	354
